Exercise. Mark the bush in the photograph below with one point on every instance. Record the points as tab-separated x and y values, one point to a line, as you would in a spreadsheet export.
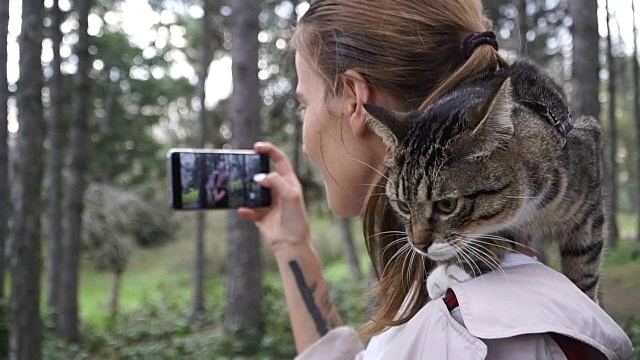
162	329
5	327
632	327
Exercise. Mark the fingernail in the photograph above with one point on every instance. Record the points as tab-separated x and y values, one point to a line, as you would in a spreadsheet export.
259	177
259	143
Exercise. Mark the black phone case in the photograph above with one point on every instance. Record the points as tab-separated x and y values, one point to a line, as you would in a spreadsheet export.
216	179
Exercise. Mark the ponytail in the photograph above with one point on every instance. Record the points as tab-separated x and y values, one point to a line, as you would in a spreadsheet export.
481	51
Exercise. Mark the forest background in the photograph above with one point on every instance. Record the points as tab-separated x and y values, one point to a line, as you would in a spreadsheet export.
94	93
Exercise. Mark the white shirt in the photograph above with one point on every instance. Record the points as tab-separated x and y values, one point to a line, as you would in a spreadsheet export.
505	314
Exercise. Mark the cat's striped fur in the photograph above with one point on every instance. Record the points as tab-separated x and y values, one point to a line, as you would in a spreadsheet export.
483	168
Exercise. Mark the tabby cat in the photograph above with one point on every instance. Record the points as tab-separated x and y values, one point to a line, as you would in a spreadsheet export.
492	164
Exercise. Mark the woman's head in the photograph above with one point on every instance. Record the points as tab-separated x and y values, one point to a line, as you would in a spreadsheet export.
406	47
398	53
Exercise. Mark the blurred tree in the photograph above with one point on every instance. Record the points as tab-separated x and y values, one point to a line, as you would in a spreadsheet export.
198	308
116	222
26	325
5	202
277	74
523	27
76	183
636	103
612	166
344	225
243	273
532	28
128	105
54	190
585	77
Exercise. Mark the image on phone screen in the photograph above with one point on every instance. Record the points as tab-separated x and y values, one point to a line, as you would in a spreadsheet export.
217	180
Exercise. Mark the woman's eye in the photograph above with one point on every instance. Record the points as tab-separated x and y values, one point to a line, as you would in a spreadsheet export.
446	206
404	208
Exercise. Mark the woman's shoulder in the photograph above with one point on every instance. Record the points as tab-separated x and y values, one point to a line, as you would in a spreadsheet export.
531	298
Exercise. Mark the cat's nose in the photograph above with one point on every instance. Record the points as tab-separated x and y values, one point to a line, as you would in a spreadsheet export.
423	246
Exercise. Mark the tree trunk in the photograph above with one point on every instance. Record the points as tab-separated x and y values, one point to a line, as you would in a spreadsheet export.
5	203
350	247
344	225
611	170
54	249
26	263
586	66
244	266
523	26
114	294
636	102
68	301
198	308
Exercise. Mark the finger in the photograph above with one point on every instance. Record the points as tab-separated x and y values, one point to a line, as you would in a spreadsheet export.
276	183
277	156
252	214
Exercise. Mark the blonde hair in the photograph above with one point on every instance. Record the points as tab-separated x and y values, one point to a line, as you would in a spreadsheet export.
412	50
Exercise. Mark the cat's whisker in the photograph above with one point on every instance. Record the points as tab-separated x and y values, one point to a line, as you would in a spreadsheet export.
397	253
479	253
480	240
512	224
373	185
404	248
500	238
471	263
394	232
521	197
466	259
404	268
372	194
371	167
488	254
495	261
410	271
394	242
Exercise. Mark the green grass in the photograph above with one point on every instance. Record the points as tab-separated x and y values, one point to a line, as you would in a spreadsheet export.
162	275
190	197
167	271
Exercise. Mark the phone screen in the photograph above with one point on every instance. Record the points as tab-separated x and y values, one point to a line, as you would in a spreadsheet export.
216	179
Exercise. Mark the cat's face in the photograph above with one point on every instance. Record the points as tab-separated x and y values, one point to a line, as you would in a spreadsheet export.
453	176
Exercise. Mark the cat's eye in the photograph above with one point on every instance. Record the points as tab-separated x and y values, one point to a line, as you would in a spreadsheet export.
446	206
404	208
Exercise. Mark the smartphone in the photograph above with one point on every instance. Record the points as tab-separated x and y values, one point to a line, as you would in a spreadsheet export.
202	179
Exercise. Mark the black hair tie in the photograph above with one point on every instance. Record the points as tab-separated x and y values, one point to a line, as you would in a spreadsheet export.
471	42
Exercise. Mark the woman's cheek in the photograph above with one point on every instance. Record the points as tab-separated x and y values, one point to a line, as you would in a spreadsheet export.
310	140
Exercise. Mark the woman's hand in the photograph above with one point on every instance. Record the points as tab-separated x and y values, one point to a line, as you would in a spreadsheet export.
285	224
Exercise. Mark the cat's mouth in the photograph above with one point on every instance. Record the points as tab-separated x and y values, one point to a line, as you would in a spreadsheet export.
437	251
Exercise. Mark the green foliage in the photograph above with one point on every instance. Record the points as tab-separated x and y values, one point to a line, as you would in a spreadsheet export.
626	252
161	329
5	326
116	220
631	326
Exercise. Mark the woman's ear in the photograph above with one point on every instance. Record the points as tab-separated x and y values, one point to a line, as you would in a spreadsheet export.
357	92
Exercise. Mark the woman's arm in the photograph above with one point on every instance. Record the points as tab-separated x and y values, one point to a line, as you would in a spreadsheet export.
311	310
285	227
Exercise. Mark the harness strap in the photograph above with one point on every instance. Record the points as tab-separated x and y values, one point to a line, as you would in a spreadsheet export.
572	348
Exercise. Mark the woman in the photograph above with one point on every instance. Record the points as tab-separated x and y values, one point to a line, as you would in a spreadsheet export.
396	54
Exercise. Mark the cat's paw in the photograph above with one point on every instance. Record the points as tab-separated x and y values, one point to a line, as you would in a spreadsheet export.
442	277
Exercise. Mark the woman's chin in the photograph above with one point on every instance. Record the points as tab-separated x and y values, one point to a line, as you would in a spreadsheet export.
344	208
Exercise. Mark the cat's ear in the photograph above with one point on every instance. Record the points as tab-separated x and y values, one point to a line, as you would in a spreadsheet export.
494	127
392	126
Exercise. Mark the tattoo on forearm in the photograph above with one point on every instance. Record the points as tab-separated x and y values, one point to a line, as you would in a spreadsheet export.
307	296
